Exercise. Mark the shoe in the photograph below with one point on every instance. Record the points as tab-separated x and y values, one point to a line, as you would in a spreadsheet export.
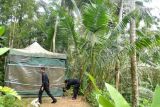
73	98
40	102
54	101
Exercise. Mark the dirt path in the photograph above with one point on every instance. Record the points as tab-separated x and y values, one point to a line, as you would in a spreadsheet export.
65	102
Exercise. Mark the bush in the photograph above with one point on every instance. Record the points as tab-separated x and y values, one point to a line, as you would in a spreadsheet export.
10	101
91	98
9	98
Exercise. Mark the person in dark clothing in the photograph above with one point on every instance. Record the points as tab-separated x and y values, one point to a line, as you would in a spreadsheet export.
45	87
72	82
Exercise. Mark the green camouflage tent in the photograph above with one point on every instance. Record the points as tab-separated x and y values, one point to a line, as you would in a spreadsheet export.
23	70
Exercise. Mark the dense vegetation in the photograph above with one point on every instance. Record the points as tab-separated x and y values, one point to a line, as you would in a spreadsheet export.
105	38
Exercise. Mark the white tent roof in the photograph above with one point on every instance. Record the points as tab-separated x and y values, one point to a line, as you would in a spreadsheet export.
36	50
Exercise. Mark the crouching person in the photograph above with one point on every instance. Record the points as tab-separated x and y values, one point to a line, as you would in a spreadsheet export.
72	82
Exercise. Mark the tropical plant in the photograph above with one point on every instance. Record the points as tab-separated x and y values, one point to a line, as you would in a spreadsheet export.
2	29
9	97
6	90
95	38
114	98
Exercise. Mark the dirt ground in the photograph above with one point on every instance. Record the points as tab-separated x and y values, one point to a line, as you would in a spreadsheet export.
65	102
61	102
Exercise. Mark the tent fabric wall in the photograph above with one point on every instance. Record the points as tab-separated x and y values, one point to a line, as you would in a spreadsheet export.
36	61
23	71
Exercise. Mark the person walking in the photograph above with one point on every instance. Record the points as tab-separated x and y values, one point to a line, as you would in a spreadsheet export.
45	87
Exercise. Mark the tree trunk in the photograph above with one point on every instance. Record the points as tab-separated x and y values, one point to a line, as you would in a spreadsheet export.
117	74
54	35
13	34
10	35
117	62
78	12
121	11
134	75
55	29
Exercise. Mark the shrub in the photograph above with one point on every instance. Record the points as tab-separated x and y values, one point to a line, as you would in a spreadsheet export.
9	98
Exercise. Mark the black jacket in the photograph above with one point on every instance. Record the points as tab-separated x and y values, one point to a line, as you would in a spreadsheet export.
45	80
72	82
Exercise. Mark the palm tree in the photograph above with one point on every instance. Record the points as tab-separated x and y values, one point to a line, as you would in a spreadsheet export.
92	46
117	62
134	74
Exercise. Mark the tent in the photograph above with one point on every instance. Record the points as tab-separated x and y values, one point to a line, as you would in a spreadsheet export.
22	71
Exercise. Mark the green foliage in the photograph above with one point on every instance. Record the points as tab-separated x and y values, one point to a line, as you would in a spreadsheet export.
67	29
3	50
2	29
145	42
94	82
116	96
117	99
91	98
95	17
17	16
91	45
147	39
103	102
66	34
145	103
156	102
9	91
9	98
10	101
120	27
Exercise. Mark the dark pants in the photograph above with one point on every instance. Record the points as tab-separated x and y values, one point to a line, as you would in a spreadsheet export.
75	90
45	88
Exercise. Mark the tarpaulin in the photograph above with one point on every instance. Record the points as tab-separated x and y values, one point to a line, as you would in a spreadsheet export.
23	72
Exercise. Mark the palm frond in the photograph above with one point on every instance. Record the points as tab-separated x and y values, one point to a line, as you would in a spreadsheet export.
137	14
122	25
147	41
143	43
67	26
144	14
95	17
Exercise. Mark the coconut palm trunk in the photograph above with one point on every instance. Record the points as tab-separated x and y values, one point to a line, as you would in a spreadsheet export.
134	75
117	62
